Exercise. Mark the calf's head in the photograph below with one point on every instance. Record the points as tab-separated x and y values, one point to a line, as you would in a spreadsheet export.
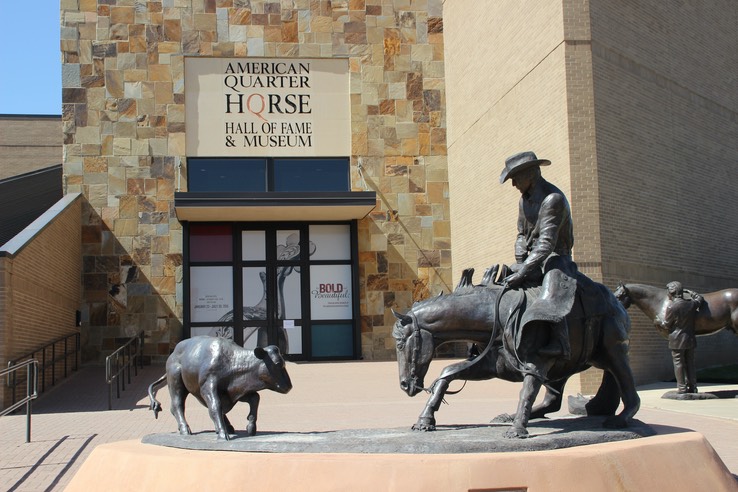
273	371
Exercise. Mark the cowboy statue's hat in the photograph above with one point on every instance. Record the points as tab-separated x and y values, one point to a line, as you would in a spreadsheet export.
519	162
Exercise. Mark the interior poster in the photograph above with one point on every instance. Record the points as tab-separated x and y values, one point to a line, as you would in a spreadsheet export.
330	292
211	293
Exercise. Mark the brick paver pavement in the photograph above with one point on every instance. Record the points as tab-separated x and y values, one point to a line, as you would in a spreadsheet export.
72	418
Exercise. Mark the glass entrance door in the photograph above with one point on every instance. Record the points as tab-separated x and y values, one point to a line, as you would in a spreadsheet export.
285	284
272	286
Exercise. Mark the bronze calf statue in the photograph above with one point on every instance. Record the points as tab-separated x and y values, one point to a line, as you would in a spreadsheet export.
219	373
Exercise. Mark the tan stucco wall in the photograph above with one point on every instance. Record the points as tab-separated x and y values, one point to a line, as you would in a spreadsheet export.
635	106
509	95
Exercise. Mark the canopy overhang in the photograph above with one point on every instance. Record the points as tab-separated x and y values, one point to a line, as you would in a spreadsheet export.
273	206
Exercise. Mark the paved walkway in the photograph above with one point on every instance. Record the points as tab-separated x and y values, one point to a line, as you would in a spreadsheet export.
72	418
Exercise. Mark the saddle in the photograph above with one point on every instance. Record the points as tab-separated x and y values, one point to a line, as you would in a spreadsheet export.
589	301
578	295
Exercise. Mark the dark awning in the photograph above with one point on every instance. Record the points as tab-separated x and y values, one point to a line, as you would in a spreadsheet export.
273	206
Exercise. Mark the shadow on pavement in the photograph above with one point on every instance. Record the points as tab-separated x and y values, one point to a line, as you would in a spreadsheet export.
87	391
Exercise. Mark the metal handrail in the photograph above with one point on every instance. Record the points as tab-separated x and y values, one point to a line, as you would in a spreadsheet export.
121	360
46	362
31	390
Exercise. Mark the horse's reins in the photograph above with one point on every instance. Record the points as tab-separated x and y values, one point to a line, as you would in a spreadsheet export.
496	327
418	338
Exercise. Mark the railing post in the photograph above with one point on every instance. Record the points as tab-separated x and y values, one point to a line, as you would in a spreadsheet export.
53	364
43	369
107	379
31	366
128	362
31	376
118	379
123	357
135	357
43	361
15	381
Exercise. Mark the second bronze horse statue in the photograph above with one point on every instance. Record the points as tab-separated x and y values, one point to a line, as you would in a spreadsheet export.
719	309
471	313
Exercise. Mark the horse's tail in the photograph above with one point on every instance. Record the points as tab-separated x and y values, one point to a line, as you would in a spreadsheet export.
154	404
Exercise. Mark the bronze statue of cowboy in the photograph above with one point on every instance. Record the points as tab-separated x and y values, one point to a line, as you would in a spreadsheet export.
543	249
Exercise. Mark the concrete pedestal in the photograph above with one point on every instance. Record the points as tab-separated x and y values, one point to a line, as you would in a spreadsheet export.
674	462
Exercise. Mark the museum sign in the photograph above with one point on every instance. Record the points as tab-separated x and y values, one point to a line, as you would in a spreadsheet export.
256	107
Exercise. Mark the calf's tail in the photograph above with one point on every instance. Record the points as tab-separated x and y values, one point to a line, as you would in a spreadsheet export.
154	404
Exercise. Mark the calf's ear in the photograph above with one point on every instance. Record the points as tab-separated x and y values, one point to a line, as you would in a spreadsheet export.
260	353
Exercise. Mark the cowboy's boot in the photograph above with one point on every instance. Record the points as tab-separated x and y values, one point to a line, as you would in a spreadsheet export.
559	344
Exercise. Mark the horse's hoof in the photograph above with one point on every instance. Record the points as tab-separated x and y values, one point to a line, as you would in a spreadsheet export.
615	422
251	429
223	436
185	431
503	418
517	433
425	425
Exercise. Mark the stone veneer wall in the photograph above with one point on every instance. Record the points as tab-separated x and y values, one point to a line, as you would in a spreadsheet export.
123	122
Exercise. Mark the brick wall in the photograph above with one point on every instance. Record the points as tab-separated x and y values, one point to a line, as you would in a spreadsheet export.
666	132
123	100
29	143
39	285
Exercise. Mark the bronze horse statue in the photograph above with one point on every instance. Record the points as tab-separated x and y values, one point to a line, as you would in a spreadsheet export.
485	314
718	311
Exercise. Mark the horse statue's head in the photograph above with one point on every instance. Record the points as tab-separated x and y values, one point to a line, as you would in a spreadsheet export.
623	295
414	351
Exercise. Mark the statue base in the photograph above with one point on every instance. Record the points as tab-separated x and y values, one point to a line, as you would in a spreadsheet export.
545	434
638	464
675	395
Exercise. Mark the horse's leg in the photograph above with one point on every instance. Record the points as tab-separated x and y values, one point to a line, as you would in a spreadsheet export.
480	370
531	386
619	366
426	420
607	399
631	401
551	401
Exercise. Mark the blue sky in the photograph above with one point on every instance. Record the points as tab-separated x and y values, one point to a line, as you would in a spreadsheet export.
30	58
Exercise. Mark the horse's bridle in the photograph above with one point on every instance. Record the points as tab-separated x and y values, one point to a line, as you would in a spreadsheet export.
418	339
